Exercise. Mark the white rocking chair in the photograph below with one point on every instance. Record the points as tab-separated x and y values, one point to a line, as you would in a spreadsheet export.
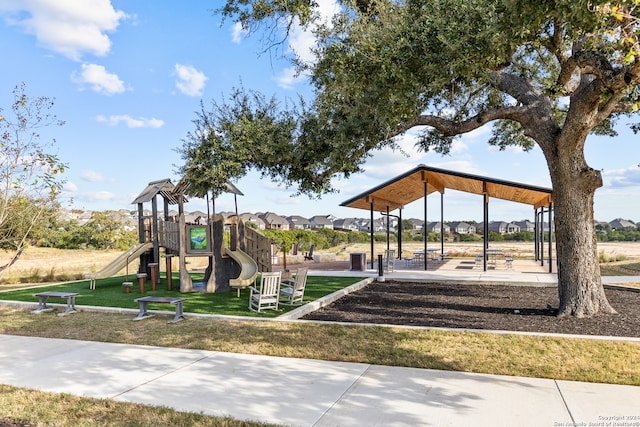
267	294
292	291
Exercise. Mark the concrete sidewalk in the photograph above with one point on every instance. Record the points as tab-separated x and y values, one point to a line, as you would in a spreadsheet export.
304	392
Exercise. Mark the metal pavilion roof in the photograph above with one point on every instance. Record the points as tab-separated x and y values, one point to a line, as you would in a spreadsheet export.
410	186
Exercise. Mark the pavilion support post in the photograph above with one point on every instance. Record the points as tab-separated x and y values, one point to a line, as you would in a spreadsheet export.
371	233
542	237
485	225
442	223
550	238
426	226
388	232
535	233
400	233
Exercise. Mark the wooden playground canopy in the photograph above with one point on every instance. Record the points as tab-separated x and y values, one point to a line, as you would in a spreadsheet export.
424	180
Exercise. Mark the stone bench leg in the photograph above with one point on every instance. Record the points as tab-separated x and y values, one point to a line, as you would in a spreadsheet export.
71	306
42	306
179	314
143	314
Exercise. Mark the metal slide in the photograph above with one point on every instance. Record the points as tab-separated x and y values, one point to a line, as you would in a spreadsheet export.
249	270
119	263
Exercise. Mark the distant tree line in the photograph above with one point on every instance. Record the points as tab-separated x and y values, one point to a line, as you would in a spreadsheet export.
605	233
103	231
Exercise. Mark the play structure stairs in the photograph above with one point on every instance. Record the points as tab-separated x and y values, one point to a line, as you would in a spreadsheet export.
249	270
119	263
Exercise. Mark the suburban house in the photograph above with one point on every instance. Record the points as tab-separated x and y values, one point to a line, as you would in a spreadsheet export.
393	222
84	217
501	227
462	228
254	219
621	223
274	221
378	225
322	221
298	223
417	224
525	225
195	217
436	227
346	224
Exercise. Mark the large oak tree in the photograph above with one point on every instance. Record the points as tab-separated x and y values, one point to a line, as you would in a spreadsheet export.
542	72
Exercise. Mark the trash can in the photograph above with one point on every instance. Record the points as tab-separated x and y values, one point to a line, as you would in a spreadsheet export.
357	261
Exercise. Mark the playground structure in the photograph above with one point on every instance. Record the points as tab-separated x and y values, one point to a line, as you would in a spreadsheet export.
119	263
234	262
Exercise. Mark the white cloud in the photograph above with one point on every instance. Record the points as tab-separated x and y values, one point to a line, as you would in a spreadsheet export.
99	79
92	176
288	78
190	81
100	195
70	28
237	32
130	122
302	41
618	178
69	187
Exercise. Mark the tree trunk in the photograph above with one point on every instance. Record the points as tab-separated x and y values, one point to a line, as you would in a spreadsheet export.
14	258
579	283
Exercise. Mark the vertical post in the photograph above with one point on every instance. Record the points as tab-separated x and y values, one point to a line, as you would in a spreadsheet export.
388	235
485	225
371	234
535	233
141	236
550	237
154	230
169	272
155	277
400	234
426	225
442	222
542	237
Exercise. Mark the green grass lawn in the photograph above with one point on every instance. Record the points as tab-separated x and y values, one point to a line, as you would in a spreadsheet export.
110	293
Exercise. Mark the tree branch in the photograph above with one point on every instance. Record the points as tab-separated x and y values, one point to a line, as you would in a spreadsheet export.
451	127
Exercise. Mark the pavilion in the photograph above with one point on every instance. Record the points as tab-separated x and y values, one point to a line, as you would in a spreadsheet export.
424	180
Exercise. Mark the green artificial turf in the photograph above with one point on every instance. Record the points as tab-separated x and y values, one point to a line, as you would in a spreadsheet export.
110	293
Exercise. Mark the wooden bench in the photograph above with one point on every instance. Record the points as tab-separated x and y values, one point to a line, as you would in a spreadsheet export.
144	313
42	302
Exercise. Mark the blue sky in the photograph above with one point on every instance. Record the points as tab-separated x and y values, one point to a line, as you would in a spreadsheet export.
128	78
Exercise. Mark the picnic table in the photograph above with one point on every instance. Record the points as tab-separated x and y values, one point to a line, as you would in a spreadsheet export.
419	255
144	312
492	255
42	302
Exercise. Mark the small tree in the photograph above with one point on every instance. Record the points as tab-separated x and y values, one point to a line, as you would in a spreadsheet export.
29	173
283	240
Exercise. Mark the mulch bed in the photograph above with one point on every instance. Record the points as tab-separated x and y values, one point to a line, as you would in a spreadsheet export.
501	307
